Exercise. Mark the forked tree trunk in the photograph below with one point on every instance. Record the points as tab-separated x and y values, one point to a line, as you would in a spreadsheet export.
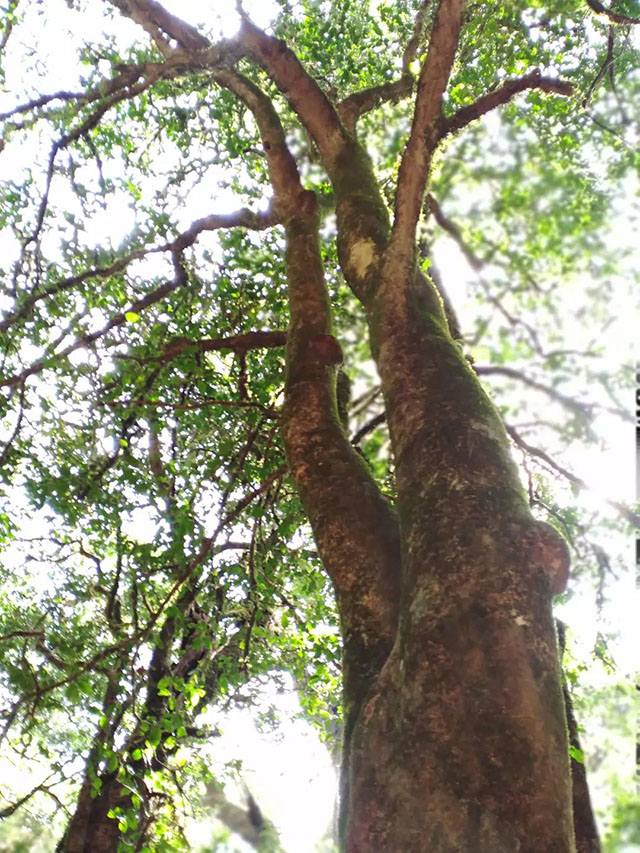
458	741
456	737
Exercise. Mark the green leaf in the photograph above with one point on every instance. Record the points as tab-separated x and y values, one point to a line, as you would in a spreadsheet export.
576	754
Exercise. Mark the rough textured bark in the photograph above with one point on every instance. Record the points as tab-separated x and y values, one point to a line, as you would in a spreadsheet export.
355	527
91	830
584	821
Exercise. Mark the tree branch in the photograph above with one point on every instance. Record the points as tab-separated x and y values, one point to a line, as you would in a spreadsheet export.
13	807
283	170
582	409
238	343
327	470
424	137
413	44
502	95
307	99
309	415
476	264
25	633
609	14
43	100
156	20
368	427
629	516
206	548
117	320
353	106
242	218
129	91
607	66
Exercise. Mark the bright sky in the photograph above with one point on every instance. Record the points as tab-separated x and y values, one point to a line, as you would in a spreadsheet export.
289	772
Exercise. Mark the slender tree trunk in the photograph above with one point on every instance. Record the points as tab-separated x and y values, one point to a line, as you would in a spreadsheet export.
584	821
91	830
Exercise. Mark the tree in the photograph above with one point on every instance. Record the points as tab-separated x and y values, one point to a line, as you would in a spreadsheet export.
143	379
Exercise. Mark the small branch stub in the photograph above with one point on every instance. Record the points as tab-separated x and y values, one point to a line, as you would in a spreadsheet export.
324	349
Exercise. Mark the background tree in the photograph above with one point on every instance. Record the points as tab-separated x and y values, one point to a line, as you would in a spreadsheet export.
176	413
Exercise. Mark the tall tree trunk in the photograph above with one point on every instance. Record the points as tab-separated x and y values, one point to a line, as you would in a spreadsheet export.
91	830
459	743
462	743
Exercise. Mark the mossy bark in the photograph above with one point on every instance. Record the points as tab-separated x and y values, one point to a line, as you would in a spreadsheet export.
462	742
456	739
355	527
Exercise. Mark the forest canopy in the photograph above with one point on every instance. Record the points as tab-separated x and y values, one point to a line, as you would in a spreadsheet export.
316	367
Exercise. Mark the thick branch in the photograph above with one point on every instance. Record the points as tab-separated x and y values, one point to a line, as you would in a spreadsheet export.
154	18
194	50
355	528
325	467
307	99
416	161
365	100
502	95
357	194
609	14
283	170
240	344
